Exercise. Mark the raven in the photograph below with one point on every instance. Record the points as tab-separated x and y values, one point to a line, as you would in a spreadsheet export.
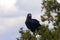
32	24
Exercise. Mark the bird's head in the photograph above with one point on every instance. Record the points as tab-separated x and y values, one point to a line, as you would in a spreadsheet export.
29	16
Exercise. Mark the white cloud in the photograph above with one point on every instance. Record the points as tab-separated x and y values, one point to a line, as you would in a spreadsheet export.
15	8
7	5
10	23
58	1
29	5
8	8
2	28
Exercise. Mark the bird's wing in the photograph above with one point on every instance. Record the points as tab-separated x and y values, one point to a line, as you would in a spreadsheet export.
35	21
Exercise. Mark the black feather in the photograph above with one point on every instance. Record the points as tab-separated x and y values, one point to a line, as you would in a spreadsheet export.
32	24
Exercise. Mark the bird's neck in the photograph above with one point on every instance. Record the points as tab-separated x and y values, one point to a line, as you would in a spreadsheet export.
28	18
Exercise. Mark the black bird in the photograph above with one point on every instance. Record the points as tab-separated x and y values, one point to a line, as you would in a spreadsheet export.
32	24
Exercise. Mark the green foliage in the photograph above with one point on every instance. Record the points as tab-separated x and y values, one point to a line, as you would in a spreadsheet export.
50	6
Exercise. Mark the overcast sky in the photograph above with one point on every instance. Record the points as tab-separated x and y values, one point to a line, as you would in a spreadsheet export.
13	14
